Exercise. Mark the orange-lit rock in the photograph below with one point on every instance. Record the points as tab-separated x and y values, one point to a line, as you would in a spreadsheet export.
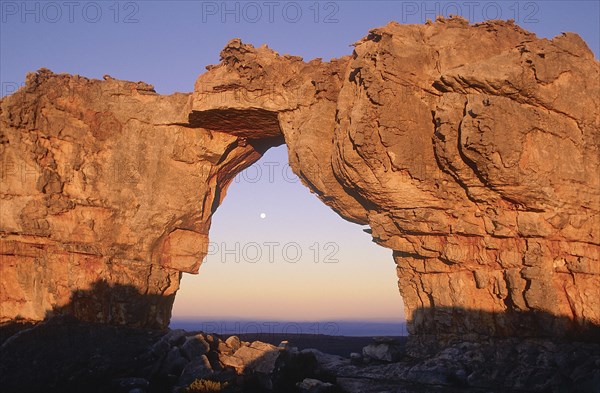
470	150
101	183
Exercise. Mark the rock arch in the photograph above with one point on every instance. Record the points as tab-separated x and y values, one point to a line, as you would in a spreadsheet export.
470	150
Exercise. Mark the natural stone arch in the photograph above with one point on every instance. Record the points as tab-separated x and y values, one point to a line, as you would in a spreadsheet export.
443	138
476	243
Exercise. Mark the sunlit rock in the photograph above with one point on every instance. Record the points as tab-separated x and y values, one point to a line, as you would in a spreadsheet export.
470	150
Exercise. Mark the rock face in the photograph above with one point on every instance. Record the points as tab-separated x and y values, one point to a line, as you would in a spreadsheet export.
472	151
106	197
468	150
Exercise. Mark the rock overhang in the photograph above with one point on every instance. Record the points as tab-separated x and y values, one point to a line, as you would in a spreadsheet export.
244	123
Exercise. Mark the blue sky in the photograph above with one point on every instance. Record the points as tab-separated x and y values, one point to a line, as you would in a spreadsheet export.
340	273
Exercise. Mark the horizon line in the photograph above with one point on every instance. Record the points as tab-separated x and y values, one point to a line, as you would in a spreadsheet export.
258	319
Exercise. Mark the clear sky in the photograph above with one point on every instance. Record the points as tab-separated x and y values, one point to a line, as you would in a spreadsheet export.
299	261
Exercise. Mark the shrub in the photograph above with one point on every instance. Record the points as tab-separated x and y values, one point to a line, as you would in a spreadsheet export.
206	386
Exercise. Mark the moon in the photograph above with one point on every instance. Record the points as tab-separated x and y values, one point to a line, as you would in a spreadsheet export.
263	215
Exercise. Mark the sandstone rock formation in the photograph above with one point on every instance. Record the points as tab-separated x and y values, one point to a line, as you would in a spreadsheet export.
105	187
469	150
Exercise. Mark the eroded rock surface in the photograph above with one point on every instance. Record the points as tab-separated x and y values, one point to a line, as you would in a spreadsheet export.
469	150
106	197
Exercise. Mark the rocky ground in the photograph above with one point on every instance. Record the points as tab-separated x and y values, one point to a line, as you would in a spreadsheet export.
64	355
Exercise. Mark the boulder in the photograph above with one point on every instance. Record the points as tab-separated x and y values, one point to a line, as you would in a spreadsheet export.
194	347
234	343
199	368
383	352
257	357
310	385
174	363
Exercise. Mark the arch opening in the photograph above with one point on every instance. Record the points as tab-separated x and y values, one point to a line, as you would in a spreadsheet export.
286	258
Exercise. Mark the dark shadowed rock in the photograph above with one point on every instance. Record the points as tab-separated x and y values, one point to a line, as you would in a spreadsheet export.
387	352
310	385
195	347
198	368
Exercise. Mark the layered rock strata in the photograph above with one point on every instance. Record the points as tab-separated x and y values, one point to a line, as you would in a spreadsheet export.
471	151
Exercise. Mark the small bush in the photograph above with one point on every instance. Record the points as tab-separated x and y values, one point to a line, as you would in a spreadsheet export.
206	386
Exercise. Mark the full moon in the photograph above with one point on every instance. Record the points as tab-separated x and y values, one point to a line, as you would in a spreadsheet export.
263	215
